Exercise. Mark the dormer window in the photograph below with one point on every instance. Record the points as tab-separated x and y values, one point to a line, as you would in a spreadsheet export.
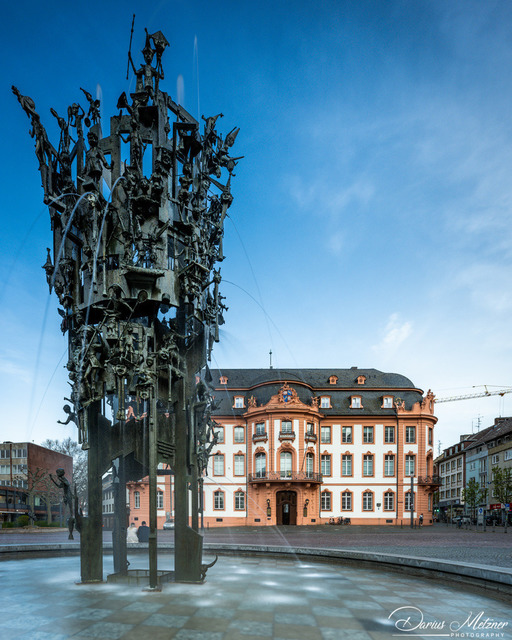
387	402
325	402
223	380
361	379
239	402
333	380
356	402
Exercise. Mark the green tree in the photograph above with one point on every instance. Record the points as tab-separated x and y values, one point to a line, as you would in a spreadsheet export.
502	484
472	495
73	449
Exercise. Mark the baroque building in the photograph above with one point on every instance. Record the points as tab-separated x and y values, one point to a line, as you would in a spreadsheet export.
305	446
309	446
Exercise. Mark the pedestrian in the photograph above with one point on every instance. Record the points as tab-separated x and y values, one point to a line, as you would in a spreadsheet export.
421	519
143	532
131	533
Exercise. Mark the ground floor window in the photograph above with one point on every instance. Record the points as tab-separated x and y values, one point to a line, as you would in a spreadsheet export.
218	500
160	500
409	501
367	501
389	501
239	501
346	501
326	501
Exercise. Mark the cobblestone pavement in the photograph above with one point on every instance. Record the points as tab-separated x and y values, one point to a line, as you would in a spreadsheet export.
489	547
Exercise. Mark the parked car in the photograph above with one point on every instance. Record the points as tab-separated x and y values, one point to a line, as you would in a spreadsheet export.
168	524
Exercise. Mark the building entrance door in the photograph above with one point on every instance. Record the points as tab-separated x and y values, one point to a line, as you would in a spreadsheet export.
286	503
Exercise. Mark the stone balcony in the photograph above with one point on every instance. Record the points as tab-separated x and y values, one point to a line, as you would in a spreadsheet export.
287	476
433	481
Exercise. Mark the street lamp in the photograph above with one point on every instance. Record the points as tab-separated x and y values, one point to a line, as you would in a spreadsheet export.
411	501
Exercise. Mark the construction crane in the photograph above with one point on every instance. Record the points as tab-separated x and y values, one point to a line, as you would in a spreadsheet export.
481	394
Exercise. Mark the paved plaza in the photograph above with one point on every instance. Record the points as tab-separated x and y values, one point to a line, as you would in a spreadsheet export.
251	598
243	599
492	548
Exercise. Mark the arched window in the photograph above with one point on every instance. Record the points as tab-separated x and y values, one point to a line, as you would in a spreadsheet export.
218	500
218	464
286	464
409	501
326	501
389	501
367	501
261	465
239	501
310	462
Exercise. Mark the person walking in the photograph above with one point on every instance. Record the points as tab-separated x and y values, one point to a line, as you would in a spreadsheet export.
131	533
143	532
421	519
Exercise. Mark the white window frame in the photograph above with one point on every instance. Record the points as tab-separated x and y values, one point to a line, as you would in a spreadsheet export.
389	501
389	430
239	464
326	501
346	501
367	501
326	463
218	500
325	435
368	464
218	464
346	464
389	462
239	501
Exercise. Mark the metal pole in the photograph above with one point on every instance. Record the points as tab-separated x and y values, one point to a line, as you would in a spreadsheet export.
412	502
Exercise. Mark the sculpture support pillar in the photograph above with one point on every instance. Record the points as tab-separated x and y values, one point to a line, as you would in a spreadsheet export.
119	530
91	536
153	575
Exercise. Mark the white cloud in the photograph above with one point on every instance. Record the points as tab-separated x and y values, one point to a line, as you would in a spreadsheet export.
325	199
395	334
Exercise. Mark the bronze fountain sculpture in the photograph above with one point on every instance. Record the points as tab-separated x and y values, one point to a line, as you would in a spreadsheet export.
137	217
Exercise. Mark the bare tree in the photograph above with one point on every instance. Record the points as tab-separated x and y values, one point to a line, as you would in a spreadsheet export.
73	449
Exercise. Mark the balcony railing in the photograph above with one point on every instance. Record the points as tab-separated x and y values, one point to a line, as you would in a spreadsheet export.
258	437
286	476
311	436
287	435
432	480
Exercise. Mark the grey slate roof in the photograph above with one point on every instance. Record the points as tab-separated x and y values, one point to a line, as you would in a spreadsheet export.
499	430
264	383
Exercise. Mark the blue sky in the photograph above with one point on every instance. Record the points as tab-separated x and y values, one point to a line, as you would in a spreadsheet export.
371	219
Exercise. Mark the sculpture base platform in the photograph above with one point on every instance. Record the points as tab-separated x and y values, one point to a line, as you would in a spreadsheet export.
139	577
